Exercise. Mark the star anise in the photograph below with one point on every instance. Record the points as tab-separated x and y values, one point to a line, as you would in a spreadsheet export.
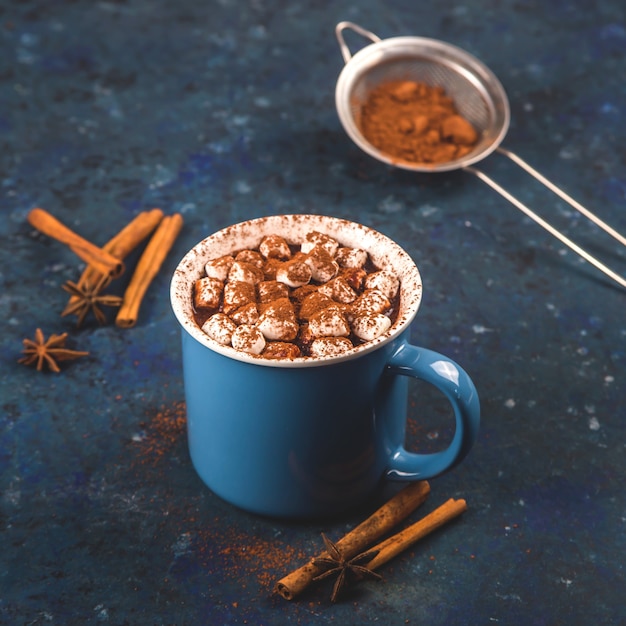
48	352
87	297
335	563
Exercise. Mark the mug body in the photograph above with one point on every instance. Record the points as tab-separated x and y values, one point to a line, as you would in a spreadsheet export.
291	442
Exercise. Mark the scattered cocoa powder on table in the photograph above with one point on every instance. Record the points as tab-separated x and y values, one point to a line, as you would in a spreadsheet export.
415	123
240	554
163	430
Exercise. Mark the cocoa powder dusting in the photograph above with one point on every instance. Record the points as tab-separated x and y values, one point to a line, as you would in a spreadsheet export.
415	123
244	556
163	431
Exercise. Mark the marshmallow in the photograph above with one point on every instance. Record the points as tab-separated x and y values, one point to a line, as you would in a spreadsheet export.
323	266
354	276
269	290
383	280
219	268
237	294
370	302
245	272
271	267
329	323
220	328
207	292
315	238
251	256
278	321
295	273
330	346
248	339
299	294
281	350
275	246
339	290
369	327
351	257
246	314
314	303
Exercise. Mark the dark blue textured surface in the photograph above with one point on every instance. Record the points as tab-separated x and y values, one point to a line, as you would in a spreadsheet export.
225	111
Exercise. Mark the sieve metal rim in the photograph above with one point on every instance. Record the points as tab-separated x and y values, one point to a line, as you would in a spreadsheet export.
438	52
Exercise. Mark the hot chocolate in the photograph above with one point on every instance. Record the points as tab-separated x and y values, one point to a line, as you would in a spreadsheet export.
282	300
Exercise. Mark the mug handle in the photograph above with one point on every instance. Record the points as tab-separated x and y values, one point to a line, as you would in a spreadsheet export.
457	386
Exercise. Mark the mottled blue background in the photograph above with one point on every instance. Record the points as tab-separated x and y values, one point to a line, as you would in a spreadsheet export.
224	111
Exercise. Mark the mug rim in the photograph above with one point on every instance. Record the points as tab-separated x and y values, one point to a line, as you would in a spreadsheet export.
351	233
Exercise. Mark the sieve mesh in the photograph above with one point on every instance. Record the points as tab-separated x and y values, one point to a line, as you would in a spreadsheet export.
476	92
468	100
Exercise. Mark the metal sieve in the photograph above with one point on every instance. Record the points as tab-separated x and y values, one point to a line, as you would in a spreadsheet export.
478	96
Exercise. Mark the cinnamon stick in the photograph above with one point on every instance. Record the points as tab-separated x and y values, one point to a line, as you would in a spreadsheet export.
103	261
147	268
398	508
122	244
399	542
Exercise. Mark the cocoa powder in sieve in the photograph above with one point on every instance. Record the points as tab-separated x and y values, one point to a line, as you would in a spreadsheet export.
415	123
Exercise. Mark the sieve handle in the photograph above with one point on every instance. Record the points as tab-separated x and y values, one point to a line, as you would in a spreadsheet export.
564	196
345	51
539	220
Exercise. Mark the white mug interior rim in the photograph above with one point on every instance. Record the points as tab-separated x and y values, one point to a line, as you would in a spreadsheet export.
384	252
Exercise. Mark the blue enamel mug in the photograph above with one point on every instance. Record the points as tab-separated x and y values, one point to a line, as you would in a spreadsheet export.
310	437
